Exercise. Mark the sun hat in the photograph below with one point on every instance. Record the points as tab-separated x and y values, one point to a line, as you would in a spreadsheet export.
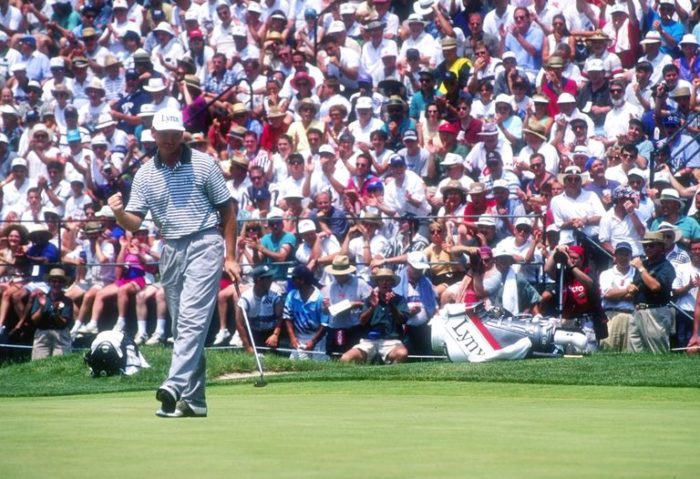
653	237
56	274
385	273
155	85
340	266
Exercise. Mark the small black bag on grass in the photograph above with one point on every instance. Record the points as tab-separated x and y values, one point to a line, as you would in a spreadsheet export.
113	353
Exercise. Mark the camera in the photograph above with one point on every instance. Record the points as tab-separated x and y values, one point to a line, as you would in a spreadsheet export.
561	257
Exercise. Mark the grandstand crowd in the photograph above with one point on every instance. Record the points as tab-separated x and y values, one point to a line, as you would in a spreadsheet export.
387	158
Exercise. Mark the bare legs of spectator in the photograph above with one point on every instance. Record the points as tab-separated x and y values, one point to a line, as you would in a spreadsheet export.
85	307
224	299
143	297
6	302
124	295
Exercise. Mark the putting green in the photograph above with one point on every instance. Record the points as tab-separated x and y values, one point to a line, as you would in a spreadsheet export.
361	429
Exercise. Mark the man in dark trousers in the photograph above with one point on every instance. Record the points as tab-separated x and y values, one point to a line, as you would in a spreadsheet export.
651	322
186	193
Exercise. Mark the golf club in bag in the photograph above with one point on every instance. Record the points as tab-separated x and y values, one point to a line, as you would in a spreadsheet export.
261	380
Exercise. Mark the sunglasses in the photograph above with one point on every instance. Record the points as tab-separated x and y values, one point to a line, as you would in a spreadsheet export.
535	165
523	229
296	162
573	179
435	232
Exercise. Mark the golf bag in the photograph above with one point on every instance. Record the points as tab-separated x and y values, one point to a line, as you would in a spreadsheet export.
478	335
112	353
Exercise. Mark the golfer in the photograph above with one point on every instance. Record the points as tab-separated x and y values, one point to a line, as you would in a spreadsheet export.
186	194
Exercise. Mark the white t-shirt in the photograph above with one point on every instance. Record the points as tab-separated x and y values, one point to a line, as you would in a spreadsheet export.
564	208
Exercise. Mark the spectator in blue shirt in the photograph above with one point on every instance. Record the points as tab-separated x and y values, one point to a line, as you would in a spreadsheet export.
304	316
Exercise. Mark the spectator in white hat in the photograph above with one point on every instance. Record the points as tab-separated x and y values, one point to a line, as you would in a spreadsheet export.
168	49
576	209
316	250
595	96
653	54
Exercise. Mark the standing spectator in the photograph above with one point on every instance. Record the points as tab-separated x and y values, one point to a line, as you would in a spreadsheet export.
685	289
421	300
617	291
52	314
650	327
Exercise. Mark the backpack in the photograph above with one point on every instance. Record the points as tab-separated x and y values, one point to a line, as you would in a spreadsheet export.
113	353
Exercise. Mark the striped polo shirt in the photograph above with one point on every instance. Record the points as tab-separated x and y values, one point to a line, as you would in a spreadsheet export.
183	200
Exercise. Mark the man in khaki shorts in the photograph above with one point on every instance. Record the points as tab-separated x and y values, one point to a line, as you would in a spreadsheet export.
384	315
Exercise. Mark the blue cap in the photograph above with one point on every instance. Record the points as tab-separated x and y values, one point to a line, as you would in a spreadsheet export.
73	135
131	73
375	185
310	13
364	78
32	115
623	245
28	39
397	160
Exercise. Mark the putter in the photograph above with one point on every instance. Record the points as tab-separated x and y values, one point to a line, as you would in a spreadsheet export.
261	380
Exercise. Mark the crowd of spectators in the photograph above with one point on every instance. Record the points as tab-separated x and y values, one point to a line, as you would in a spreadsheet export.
387	158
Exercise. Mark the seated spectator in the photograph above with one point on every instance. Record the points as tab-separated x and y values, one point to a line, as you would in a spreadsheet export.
92	257
347	290
515	294
13	272
383	317
581	306
275	248
130	280
263	307
305	318
523	245
617	292
52	315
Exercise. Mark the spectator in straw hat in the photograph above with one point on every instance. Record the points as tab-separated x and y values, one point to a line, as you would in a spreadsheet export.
384	314
52	315
346	292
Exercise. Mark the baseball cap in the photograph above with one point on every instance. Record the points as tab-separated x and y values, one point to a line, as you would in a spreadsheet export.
168	120
623	246
306	226
417	260
410	135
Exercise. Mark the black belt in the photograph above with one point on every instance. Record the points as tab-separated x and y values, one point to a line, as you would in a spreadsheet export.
639	306
628	311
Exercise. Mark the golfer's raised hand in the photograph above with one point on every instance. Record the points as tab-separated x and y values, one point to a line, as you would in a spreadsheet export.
116	202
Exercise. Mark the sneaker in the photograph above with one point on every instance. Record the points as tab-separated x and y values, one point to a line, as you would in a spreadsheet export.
183	409
140	339
155	340
74	332
221	337
236	341
88	328
168	401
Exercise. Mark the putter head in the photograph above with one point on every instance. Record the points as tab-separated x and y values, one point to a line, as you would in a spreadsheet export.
260	383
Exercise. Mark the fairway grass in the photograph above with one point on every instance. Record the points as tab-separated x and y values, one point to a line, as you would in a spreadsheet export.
360	429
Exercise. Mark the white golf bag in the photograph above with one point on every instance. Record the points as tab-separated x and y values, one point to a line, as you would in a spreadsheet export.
476	335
